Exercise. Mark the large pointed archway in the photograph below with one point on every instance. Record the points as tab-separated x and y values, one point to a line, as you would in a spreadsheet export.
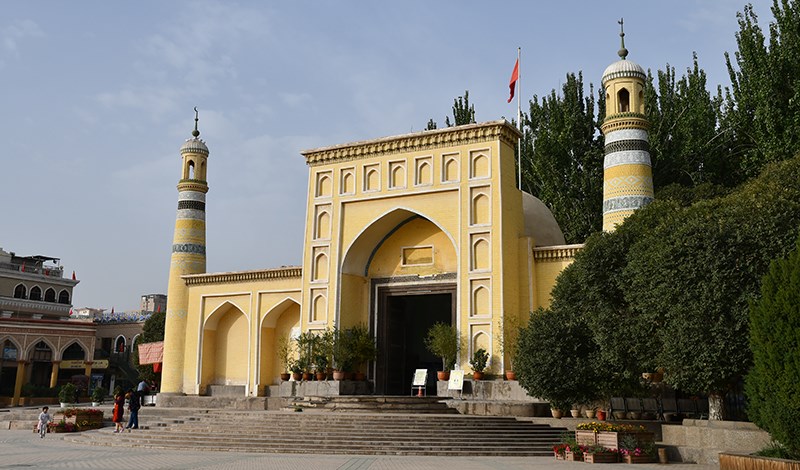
409	266
225	359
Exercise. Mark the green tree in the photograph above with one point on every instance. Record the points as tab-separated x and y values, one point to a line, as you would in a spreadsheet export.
693	274
772	387
463	113
152	332
686	146
556	359
762	106
562	157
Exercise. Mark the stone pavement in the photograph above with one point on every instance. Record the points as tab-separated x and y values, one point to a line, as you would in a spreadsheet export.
23	449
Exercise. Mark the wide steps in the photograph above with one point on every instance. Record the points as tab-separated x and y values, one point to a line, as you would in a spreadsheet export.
338	433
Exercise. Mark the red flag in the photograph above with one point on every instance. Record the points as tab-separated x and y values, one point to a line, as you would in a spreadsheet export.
23	267
112	310
73	275
512	84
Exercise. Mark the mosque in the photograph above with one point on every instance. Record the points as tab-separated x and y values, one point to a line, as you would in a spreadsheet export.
401	232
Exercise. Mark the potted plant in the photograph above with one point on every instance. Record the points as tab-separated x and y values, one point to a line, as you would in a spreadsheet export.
296	370
364	349
600	454
285	351
305	349
98	395
443	341
343	353
509	336
68	394
478	362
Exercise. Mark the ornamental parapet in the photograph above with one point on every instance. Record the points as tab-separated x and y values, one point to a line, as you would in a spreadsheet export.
286	272
628	120
556	253
193	185
420	141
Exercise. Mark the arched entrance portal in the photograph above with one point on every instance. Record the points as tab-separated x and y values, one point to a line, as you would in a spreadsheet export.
404	314
409	264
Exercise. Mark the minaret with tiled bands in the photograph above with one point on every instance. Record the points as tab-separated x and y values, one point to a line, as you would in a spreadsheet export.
627	172
188	256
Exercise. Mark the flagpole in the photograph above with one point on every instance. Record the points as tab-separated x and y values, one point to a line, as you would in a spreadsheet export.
519	122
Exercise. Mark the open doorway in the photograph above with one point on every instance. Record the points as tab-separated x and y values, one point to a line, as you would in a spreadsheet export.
404	316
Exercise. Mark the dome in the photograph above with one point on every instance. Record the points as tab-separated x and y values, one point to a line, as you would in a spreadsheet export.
540	223
623	68
194	145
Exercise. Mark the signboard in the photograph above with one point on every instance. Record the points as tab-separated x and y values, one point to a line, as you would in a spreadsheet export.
151	353
81	364
420	377
456	381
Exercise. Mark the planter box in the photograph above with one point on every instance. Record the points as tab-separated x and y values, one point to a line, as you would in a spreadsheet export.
573	457
600	458
637	459
586	438
611	439
752	462
86	420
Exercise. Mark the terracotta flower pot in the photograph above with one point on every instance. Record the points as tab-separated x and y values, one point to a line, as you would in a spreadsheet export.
321	376
443	375
556	413
306	376
284	377
511	375
338	375
477	376
601	415
297	376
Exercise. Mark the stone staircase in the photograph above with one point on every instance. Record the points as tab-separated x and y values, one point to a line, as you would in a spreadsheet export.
371	404
337	433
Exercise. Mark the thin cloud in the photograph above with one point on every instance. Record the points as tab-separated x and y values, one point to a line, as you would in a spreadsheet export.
16	32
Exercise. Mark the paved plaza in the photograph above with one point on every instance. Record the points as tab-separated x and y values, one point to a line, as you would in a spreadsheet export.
22	449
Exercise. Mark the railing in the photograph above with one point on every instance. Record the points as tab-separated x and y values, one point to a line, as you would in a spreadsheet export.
51	271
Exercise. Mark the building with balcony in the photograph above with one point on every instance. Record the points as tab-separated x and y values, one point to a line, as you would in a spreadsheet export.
36	332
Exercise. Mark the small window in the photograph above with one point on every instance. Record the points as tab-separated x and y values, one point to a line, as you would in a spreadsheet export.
63	297
50	295
20	291
36	293
624	100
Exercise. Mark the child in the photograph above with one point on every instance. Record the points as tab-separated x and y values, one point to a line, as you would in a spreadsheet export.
44	418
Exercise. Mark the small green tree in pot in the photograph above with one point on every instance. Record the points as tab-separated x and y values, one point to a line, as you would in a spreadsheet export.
364	349
285	353
443	341
98	395
478	362
343	353
67	394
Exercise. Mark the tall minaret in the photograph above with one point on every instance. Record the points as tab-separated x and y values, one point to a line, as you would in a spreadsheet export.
188	255
627	174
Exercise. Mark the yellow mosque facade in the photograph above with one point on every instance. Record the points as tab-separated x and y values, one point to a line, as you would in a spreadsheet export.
401	232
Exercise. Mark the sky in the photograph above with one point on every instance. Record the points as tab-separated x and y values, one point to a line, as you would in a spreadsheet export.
97	97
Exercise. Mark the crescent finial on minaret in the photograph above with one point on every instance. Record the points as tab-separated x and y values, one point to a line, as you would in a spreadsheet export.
195	132
623	53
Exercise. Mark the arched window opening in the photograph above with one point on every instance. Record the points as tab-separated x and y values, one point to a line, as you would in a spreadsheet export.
191	169
624	99
42	352
119	346
63	297
10	351
50	295
74	352
36	293
20	291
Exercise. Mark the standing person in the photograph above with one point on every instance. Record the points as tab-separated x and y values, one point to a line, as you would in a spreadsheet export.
134	404
141	391
119	410
44	419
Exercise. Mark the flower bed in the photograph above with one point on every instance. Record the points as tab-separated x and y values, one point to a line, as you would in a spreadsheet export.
79	419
